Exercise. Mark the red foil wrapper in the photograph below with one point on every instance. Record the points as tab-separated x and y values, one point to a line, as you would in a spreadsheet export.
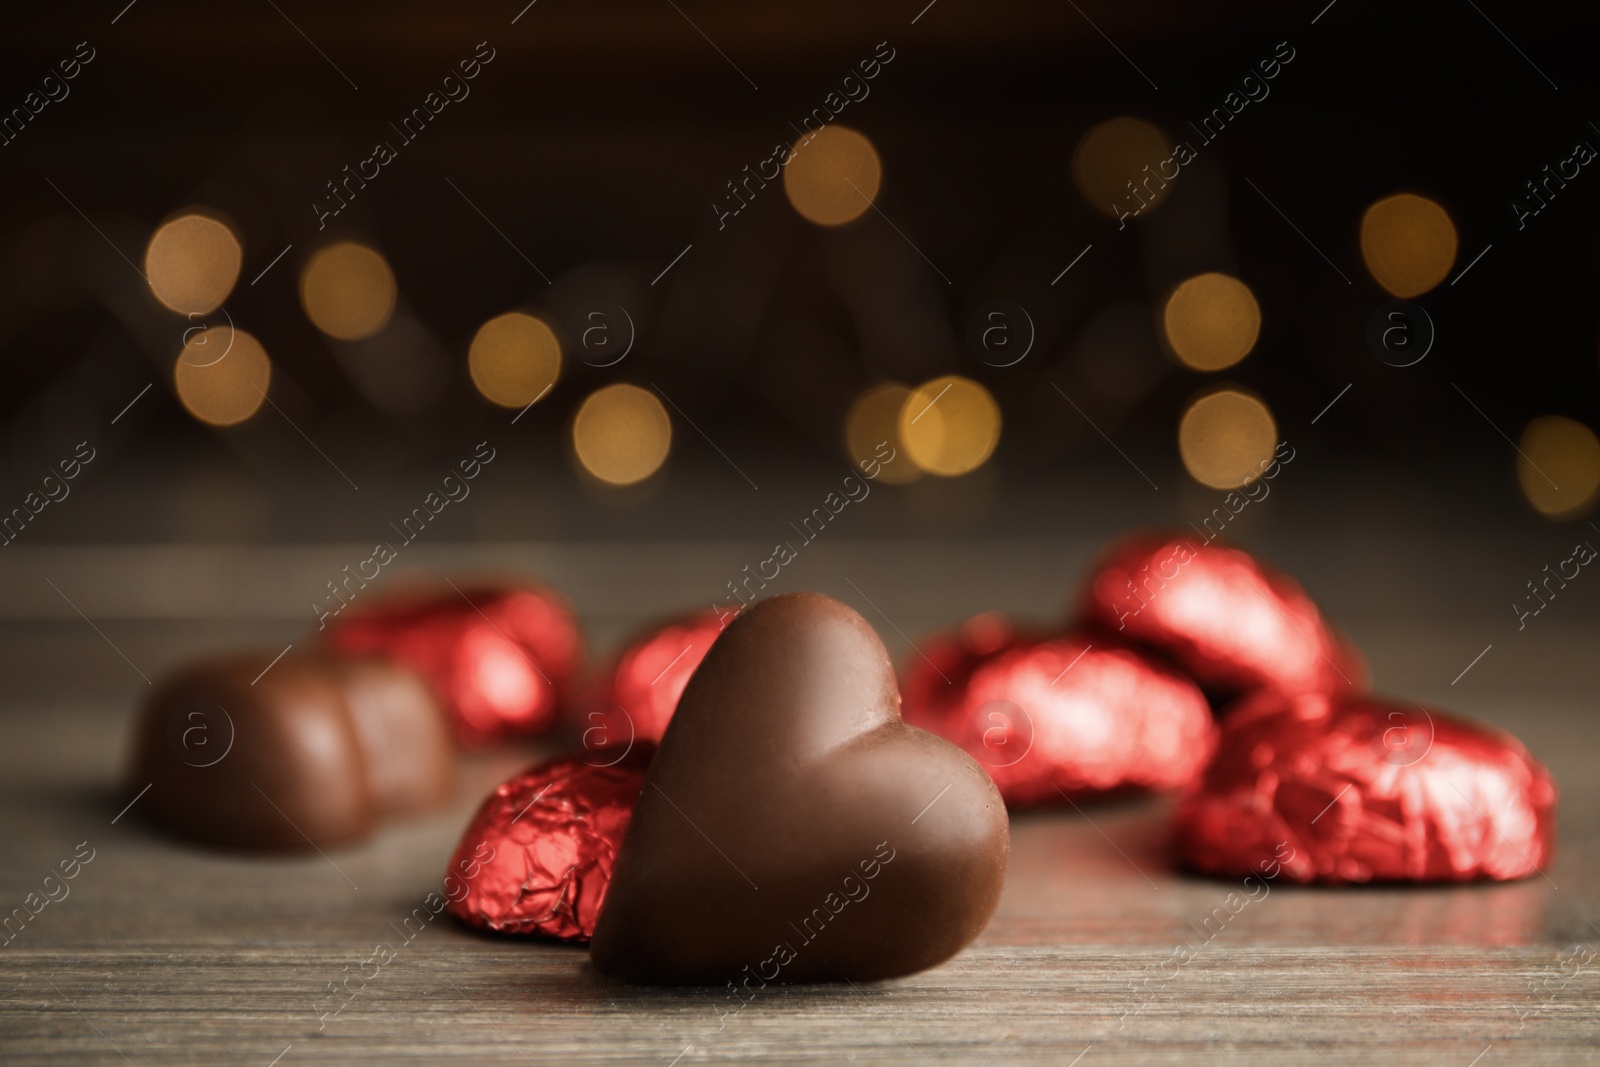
641	691
1359	790
502	661
542	847
1060	717
1231	622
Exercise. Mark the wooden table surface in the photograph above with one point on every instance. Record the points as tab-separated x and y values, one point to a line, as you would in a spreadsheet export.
167	953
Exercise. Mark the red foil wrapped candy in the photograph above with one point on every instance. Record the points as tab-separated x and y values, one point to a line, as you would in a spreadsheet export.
502	660
1060	716
1361	790
641	691
1227	619
541	849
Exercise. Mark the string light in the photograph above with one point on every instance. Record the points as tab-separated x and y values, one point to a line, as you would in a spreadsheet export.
192	263
348	291
1409	244
1211	321
1114	154
621	434
833	177
1226	437
1558	466
222	375
874	418
514	359
950	425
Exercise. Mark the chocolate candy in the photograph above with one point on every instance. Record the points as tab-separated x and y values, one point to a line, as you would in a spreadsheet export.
641	691
403	734
1231	622
501	660
1059	718
1334	789
537	857
304	752
792	828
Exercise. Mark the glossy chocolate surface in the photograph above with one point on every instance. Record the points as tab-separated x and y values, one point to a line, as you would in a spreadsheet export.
793	828
410	755
301	753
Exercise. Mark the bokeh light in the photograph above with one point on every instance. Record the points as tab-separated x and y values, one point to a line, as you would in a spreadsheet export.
192	263
874	418
1409	244
222	375
1115	153
1226	438
950	425
833	177
514	359
622	434
348	291
1559	466
1211	321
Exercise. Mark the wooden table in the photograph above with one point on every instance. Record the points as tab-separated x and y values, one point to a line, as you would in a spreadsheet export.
165	953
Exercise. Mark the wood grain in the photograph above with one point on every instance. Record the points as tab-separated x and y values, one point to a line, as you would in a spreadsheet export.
164	953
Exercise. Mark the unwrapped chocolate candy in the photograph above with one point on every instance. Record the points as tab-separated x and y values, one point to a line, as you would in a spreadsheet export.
1363	790
792	828
1059	718
289	754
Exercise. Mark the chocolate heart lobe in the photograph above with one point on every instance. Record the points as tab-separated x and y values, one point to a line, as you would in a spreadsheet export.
793	828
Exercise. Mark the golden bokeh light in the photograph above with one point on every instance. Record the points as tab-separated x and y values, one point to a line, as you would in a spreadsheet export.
1409	244
222	375
874	419
1559	466
1226	438
348	291
950	425
1211	321
514	359
622	434
833	177
1115	153
192	263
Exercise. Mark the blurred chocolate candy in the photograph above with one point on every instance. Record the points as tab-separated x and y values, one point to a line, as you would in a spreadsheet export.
1230	621
1058	718
639	693
502	660
294	754
409	755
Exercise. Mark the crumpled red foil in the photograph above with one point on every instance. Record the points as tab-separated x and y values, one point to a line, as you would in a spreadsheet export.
1361	790
641	691
1058	718
1231	622
502	660
552	834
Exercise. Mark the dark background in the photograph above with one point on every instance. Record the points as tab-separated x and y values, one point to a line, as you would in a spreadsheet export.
597	140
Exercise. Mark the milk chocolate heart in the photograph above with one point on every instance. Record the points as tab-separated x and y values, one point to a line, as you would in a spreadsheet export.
793	828
246	750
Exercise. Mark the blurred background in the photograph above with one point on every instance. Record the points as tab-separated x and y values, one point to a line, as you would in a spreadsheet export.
281	267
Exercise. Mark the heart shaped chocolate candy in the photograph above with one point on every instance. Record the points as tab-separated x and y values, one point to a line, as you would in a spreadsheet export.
793	828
